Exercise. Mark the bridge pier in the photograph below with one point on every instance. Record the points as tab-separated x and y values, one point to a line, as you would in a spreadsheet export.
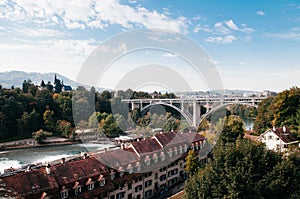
196	113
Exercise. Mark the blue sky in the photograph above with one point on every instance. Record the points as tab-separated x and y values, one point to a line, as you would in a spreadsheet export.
254	44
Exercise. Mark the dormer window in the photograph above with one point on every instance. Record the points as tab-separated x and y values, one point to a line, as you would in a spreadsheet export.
197	146
138	167
101	180
77	188
90	184
121	172
130	169
64	193
180	149
162	156
147	160
185	147
112	175
175	151
170	153
155	158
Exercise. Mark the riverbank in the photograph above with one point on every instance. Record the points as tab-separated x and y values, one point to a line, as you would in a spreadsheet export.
31	143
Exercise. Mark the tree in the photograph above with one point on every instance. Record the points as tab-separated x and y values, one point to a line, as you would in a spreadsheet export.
191	162
233	128
40	136
28	123
49	120
240	170
280	110
64	128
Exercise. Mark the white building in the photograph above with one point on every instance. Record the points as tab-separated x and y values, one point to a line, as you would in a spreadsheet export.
278	139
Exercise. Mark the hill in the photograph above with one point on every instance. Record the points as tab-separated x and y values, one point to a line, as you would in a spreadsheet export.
16	78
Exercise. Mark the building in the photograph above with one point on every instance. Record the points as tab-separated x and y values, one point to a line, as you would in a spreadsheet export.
143	169
278	139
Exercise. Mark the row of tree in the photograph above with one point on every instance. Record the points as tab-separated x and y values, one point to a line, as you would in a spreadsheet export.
27	110
281	110
241	168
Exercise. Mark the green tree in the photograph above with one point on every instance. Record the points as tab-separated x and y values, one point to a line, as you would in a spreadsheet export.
191	162
40	136
64	128
49	120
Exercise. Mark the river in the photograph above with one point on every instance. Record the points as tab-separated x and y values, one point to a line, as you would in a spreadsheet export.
21	157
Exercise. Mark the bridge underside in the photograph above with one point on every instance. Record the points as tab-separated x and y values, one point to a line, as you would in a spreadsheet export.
194	118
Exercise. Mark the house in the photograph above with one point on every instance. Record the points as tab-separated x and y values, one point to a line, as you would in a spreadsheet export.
144	169
278	139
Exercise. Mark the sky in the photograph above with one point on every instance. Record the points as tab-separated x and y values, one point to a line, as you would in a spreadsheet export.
254	44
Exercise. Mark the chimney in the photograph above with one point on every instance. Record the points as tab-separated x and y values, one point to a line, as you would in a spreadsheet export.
63	160
274	128
284	129
48	169
84	155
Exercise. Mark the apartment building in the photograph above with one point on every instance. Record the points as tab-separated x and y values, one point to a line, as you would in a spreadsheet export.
143	169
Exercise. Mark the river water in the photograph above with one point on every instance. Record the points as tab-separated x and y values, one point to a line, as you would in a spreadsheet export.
21	157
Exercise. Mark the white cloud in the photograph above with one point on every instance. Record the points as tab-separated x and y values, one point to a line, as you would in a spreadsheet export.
204	28
230	24
288	35
80	14
261	13
221	29
38	32
222	40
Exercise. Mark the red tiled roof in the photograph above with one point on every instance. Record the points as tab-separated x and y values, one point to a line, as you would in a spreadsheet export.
120	157
285	136
30	182
146	146
77	170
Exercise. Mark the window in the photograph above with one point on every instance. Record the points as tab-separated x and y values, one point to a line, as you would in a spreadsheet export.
112	175
102	182
170	153
90	186
138	168
180	149
175	151
155	158
277	138
148	183
148	174
64	194
162	157
147	162
156	176
77	190
112	197
270	137
138	188
120	195
148	193
163	177
185	147
129	186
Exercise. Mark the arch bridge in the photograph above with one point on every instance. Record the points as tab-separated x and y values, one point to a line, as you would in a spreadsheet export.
194	119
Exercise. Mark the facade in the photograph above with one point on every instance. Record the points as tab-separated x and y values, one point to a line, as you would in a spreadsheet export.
278	139
143	169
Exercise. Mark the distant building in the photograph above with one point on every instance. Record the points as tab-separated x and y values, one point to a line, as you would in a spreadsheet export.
58	85
144	169
278	139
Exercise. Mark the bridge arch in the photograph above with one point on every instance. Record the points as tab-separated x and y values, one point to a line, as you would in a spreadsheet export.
214	109
185	115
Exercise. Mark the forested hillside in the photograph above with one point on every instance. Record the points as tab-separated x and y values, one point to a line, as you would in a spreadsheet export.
281	110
